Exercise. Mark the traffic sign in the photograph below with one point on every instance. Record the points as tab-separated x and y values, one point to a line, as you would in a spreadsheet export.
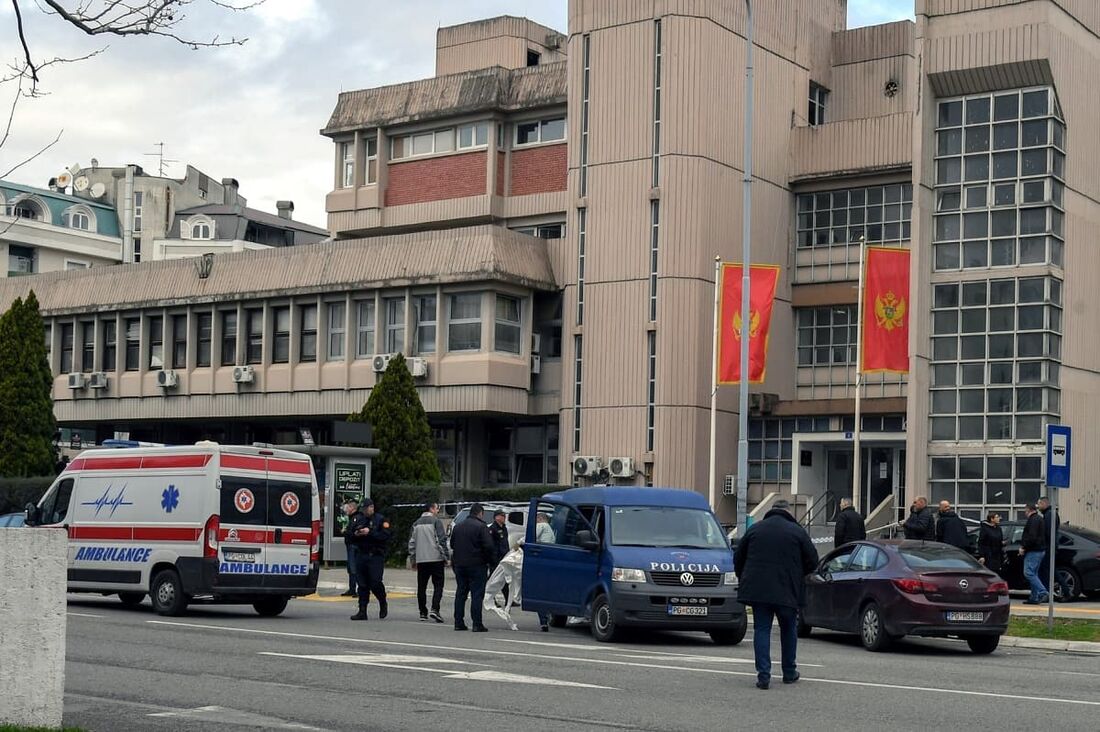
1058	455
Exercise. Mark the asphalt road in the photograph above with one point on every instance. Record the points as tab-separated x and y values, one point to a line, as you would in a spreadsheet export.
226	668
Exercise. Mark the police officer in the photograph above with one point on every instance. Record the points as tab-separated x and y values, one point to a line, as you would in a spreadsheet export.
372	533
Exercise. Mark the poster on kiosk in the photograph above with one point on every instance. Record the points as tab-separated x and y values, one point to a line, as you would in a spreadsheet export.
347	479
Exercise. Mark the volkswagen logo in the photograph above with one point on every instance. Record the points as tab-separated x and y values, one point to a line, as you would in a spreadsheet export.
687	578
964	583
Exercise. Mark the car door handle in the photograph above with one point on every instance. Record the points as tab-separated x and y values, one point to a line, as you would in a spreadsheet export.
278	536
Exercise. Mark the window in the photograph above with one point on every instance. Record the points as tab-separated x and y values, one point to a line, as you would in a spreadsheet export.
48	334
56	506
844	217
508	326
20	260
372	160
654	238
201	230
395	324
307	343
67	348
73	265
347	164
280	331
425	323
255	322
539	131
578	343
206	335
819	95
26	209
139	201
364	324
867	559
87	346
133	344
156	342
337	330
544	231
586	63
137	248
827	336
473	135
533	57
657	52
582	236
464	322
229	338
179	341
109	359
651	390
978	484
548	310
465	137
77	220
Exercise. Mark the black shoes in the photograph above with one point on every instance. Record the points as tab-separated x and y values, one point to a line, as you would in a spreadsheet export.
349	593
434	615
461	626
383	610
423	618
480	629
361	615
762	685
544	628
792	679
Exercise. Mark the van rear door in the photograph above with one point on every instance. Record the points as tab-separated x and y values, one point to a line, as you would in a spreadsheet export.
243	515
289	521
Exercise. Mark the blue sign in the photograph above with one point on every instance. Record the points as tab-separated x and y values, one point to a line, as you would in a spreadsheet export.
1058	456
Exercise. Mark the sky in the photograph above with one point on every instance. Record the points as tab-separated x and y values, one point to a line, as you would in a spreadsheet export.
249	112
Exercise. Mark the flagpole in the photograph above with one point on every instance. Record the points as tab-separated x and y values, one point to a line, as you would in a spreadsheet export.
857	462
746	318
714	385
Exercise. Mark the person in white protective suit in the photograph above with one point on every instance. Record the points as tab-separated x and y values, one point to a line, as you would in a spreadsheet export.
509	573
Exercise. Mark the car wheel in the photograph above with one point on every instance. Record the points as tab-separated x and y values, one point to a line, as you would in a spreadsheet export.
1067	585
733	636
131	599
804	628
167	593
603	620
269	607
558	621
872	630
983	644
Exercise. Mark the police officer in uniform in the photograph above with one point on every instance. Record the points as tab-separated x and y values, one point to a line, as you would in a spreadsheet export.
371	534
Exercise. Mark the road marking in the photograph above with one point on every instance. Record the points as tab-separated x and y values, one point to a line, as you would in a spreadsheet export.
226	716
83	615
643	653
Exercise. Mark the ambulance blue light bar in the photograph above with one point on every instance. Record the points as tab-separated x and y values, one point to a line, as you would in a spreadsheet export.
130	443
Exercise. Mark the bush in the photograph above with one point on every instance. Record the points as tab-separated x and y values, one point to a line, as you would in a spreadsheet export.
518	494
16	493
401	505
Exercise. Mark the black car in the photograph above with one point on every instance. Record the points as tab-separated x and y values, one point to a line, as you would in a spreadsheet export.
1077	568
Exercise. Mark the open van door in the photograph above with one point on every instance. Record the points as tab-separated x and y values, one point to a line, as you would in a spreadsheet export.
561	559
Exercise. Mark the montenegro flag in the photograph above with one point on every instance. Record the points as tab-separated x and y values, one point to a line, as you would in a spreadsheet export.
762	283
885	325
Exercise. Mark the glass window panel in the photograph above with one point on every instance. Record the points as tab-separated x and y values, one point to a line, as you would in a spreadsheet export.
998	492
1032	289
998	467
1002	292
1004	136
1004	194
948	200
943	428
1033	162
976	196
943	492
1033	220
971	401
977	110
445	140
1000	346
973	347
975	225
949	170
971	428
970	492
1004	165
1029	467
1034	132
1001	319
1027	492
973	293
977	167
972	374
1030	345
943	468
1005	107
949	142
947	256
1030	372
950	113
1002	252
977	139
946	296
975	254
943	401
945	349
1034	191
1029	428
1030	317
1000	373
973	321
1000	427
1035	103
944	375
1000	400
1029	400
422	144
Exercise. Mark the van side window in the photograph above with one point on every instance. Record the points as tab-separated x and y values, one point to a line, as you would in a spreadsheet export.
56	506
594	516
558	524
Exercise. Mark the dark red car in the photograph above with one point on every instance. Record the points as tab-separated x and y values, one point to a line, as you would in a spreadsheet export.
884	590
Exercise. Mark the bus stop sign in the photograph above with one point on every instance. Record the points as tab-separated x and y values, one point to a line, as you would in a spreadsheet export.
1058	456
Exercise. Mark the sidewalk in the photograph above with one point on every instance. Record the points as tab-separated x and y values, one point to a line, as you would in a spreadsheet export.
334	581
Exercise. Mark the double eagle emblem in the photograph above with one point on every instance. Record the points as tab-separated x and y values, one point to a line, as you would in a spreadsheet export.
889	314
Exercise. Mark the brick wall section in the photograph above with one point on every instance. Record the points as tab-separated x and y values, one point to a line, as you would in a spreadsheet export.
436	179
539	169
500	173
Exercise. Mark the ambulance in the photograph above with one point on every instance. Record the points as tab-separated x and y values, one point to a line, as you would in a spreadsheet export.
206	523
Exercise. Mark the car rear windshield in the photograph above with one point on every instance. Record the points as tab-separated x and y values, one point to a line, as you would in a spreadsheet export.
1089	534
937	557
657	526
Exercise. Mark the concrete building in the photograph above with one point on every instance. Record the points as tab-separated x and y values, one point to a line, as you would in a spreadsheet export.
219	228
619	147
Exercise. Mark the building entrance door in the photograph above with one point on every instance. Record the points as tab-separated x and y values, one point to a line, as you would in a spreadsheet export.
882	474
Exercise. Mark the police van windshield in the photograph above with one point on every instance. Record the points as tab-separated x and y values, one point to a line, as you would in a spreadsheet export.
657	526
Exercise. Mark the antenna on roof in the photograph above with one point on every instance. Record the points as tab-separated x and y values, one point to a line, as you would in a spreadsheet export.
161	159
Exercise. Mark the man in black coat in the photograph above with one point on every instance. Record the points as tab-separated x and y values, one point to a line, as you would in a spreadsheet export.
1049	517
771	562
371	533
1033	545
472	552
921	524
849	524
950	529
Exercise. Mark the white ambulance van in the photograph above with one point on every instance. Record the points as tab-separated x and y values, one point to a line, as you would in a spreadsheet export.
202	523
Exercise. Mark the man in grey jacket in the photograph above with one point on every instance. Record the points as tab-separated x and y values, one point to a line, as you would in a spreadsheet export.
430	554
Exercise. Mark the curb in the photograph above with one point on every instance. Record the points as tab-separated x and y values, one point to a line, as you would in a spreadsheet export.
1059	646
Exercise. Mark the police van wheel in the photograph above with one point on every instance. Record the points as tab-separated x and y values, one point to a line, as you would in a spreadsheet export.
269	607
131	599
732	636
603	620
558	621
167	593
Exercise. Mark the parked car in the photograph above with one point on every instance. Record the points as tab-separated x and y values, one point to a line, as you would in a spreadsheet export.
1077	570
884	590
516	521
12	520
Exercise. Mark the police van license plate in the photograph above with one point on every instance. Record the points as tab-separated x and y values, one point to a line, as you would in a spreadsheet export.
239	557
965	617
686	610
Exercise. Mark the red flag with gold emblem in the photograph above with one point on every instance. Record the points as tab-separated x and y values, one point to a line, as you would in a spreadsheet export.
885	326
762	283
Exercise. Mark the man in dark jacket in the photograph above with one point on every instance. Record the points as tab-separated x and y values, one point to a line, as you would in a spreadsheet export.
1049	517
1033	545
849	524
991	543
771	562
499	531
471	554
371	534
950	529
920	525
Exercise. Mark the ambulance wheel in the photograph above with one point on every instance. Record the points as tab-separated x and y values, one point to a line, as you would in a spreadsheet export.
603	620
558	621
131	599
269	607
167	593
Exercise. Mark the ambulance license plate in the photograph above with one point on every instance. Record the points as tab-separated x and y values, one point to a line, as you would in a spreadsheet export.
686	610
239	557
964	617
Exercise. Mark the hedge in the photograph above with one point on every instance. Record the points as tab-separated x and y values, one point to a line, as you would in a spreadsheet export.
16	493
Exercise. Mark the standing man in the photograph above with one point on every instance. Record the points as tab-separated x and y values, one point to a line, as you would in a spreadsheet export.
920	525
472	548
1033	546
430	554
950	529
991	543
771	563
372	533
499	531
351	510
849	524
1049	525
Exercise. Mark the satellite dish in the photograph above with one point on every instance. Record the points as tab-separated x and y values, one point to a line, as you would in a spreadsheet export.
64	179
75	169
98	189
80	183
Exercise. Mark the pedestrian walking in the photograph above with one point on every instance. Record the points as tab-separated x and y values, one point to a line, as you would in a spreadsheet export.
950	529
1033	545
372	535
430	554
351	510
771	562
471	554
849	524
499	531
991	543
921	524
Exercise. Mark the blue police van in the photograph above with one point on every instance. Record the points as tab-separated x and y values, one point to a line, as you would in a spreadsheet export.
623	557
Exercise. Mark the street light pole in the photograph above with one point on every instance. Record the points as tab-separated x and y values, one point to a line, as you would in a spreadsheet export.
746	282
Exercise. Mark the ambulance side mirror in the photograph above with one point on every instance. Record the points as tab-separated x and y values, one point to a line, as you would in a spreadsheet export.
32	517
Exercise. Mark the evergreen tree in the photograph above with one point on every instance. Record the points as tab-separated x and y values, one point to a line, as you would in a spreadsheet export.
27	423
399	427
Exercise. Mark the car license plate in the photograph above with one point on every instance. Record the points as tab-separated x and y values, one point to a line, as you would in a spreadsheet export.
686	610
964	617
239	557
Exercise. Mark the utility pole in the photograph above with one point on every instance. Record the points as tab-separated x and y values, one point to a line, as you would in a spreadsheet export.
746	283
161	160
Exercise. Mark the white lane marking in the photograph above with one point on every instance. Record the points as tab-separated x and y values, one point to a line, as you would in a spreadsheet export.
405	665
224	715
724	672
83	615
645	653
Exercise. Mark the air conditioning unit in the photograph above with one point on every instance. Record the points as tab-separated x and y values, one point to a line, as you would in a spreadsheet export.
587	465
536	343
167	379
536	363
97	380
763	403
621	467
729	485
418	367
244	374
76	381
381	362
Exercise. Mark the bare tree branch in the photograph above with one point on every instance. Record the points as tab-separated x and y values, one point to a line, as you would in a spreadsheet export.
23	39
17	166
145	18
19	70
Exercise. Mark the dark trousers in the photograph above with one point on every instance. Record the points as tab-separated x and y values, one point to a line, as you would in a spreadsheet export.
762	617
369	577
353	567
424	572
470	581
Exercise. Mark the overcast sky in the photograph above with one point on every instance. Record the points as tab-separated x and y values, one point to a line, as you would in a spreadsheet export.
251	112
